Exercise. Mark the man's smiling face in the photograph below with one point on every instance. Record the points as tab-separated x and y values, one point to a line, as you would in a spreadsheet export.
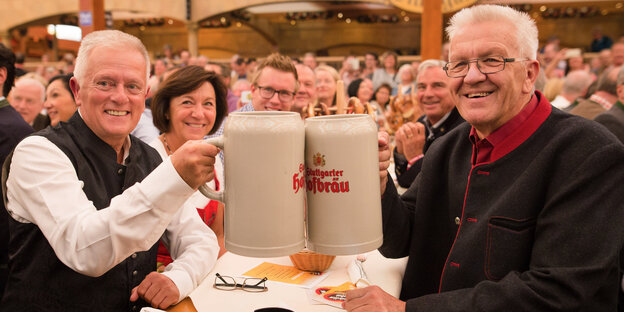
487	101
112	95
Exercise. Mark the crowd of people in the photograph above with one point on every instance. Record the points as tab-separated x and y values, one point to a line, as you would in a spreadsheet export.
510	156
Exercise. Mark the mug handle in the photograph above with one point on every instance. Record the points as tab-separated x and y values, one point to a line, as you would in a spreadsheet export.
204	189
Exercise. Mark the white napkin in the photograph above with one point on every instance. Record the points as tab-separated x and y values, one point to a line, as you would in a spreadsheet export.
357	275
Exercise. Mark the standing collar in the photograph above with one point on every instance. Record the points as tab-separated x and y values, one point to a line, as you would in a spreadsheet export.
513	133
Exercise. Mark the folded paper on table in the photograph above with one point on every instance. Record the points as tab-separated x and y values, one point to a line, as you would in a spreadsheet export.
286	274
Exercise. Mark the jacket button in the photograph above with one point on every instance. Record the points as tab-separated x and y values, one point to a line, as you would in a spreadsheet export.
134	273
134	255
120	171
457	220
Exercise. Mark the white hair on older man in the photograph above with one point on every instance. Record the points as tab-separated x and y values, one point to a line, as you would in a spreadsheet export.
576	82
110	39
526	31
428	64
27	81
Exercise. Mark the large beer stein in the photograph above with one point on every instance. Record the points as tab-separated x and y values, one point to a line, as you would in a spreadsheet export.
264	193
342	180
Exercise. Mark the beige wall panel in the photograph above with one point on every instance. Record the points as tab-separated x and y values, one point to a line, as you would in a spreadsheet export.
207	8
169	8
17	12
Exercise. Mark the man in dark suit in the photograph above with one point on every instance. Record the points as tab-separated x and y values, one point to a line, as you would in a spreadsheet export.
413	139
12	129
613	119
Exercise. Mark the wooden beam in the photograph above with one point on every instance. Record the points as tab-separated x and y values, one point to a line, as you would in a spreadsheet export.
431	30
91	16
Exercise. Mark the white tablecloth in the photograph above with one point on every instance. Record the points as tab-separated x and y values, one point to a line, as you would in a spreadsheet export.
386	273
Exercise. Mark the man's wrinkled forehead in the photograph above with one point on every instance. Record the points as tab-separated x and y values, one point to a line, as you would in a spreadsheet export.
111	55
469	35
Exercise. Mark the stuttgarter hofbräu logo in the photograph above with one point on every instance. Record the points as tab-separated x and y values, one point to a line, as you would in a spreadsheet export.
321	181
318	160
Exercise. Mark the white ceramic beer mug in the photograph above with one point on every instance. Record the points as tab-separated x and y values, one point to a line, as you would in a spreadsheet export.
263	215
342	180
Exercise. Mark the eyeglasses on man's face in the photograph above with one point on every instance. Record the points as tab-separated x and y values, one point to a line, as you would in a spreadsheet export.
249	284
283	95
486	65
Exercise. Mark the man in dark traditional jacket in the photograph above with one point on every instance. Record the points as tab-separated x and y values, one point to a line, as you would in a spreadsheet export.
89	202
520	208
12	130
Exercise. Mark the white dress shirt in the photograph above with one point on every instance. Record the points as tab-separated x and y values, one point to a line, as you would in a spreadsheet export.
560	102
145	129
197	200
43	189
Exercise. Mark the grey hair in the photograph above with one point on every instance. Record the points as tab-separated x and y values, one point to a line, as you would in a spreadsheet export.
428	64
110	39
526	31
576	81
407	67
32	81
620	76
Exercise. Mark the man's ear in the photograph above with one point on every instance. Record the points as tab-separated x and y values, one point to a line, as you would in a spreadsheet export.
3	76
620	92
75	87
533	69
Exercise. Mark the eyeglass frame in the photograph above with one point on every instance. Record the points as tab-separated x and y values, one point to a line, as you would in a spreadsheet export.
279	93
242	286
476	60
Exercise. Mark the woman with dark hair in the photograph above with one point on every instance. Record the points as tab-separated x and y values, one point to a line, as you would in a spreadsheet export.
361	89
380	102
59	103
190	104
381	97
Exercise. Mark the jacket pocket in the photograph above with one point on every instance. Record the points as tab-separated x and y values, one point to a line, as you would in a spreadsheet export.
509	244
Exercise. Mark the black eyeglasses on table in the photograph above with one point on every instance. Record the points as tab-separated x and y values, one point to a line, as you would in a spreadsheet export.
249	284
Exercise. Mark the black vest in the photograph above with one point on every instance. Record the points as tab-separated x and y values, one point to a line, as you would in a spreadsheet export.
38	280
